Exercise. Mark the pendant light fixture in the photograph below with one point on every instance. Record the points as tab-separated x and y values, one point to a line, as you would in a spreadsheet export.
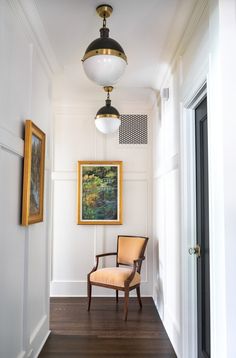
104	60
107	119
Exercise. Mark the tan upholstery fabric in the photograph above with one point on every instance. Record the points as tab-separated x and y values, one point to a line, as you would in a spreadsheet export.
129	249
114	276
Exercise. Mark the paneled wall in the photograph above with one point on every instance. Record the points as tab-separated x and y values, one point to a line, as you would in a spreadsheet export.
24	253
227	94
188	71
75	246
166	217
200	57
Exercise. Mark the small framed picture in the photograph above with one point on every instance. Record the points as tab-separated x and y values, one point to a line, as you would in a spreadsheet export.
99	193
33	177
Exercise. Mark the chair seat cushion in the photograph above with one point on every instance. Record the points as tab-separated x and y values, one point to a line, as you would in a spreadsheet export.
114	276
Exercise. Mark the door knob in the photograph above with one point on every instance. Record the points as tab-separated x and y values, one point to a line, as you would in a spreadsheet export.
195	251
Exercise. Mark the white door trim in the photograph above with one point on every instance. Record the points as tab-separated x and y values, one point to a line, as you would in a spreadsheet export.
188	220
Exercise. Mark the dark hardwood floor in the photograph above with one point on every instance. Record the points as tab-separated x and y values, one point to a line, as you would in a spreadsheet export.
102	331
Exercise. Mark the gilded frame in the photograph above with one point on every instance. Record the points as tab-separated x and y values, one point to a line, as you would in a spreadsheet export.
115	168
33	176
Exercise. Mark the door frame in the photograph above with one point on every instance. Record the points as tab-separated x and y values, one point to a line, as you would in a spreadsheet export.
188	220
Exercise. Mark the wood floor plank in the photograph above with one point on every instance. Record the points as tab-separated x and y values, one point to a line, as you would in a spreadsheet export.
102	331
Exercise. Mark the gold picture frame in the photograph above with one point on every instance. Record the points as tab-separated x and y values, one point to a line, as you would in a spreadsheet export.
99	193
33	177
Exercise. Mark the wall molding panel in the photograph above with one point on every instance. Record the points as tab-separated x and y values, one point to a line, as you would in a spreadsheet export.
11	142
27	14
24	269
72	176
170	164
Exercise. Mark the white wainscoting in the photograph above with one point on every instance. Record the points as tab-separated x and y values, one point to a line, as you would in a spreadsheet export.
75	246
24	254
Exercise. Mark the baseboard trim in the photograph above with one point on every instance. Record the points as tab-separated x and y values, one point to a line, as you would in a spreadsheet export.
171	329
79	289
22	354
43	342
38	328
112	296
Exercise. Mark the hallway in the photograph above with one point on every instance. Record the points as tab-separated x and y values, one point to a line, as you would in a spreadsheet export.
103	333
68	190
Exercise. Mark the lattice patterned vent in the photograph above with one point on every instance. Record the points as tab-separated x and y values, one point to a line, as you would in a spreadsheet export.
133	129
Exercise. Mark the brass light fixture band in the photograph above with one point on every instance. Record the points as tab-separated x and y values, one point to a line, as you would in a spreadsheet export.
107	116
104	10
108	89
104	51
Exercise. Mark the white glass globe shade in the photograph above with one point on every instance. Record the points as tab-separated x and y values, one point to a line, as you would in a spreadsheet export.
107	125
105	70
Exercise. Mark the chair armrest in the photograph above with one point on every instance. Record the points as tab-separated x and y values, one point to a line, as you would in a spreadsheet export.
139	260
98	257
107	254
136	268
138	264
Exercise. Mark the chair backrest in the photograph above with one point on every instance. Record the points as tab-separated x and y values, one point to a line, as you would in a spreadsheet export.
130	248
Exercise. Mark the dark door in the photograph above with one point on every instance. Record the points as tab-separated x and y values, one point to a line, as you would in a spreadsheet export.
202	219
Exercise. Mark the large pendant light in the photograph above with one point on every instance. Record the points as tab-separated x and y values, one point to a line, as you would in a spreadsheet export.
107	119
104	60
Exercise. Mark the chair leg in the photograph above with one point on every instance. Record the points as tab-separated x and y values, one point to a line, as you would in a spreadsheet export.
89	295
117	296
139	296
126	304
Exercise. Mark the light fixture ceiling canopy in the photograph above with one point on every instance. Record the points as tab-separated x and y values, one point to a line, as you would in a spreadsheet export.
104	10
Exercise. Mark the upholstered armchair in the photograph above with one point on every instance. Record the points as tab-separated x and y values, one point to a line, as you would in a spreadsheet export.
130	253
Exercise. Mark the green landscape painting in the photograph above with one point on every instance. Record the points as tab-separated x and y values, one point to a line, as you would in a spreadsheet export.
99	192
35	175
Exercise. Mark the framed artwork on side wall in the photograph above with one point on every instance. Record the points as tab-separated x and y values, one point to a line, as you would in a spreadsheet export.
33	177
99	193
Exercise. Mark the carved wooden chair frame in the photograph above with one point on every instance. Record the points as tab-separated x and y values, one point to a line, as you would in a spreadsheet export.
137	265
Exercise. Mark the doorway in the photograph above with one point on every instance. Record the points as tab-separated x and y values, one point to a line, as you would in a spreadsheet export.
195	226
202	230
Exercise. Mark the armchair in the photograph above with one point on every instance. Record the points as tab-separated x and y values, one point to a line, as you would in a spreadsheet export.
130	253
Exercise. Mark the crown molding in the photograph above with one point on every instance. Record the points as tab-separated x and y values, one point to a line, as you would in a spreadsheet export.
134	100
27	14
198	11
85	106
89	109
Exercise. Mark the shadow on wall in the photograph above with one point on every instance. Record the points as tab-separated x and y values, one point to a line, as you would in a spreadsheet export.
158	283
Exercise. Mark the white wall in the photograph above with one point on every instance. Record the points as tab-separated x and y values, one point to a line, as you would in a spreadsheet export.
24	254
227	93
206	53
187	71
166	216
76	138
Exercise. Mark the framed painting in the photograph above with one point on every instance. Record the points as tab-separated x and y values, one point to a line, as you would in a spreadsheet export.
33	177
99	193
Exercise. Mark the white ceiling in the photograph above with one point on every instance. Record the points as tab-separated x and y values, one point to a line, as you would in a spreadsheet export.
149	32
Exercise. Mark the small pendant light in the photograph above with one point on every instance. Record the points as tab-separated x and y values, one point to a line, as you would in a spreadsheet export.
104	60
107	119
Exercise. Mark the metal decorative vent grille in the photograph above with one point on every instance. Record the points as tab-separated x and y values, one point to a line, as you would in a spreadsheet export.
133	129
